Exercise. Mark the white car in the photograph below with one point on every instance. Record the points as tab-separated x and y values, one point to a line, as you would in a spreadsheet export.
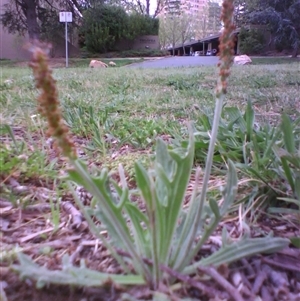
198	53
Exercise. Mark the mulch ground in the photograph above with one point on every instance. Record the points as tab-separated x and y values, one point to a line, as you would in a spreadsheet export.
269	277
272	277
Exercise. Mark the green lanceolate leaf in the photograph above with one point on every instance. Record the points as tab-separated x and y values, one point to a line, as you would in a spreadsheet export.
179	182
235	117
288	173
215	208
230	189
288	135
240	249
297	188
295	241
71	275
249	117
107	209
140	229
185	253
146	185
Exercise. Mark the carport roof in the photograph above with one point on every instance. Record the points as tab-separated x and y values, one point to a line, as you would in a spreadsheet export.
216	36
212	37
206	39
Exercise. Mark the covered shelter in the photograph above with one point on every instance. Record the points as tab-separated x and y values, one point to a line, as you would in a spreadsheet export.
206	46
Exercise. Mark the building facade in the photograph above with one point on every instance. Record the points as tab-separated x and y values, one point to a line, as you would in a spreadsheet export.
204	15
190	7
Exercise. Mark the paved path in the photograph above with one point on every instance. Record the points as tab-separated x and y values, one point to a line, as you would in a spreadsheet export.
178	61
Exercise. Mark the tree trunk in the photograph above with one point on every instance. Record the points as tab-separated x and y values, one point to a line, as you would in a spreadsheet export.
30	10
148	7
295	52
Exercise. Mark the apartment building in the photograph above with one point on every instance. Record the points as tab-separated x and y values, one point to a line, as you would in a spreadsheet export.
190	7
204	15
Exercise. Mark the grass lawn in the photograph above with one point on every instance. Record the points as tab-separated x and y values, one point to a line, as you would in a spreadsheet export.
74	62
274	60
115	116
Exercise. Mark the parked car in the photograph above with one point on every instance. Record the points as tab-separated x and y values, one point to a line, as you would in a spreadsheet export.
198	53
211	52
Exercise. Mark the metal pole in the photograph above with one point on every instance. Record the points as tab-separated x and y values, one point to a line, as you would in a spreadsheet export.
66	33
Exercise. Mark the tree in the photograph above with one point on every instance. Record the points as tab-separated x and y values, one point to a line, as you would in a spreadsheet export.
141	25
142	7
201	27
242	10
252	41
185	29
214	14
162	34
28	16
280	17
103	26
168	31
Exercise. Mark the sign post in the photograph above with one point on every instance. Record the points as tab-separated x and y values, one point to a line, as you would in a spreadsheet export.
65	17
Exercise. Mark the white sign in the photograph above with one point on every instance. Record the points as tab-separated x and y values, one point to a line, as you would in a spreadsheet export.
65	16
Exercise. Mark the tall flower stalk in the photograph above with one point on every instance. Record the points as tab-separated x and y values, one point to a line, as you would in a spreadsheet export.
196	207
48	103
226	49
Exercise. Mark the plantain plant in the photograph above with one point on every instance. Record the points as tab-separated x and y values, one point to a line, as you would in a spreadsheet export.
288	156
155	245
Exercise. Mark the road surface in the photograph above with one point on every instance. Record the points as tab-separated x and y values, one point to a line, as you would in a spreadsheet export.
177	61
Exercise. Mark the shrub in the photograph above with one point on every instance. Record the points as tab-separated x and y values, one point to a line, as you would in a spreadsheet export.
103	26
143	53
251	41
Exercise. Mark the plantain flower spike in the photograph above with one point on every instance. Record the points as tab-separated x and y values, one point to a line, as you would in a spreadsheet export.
48	103
226	46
